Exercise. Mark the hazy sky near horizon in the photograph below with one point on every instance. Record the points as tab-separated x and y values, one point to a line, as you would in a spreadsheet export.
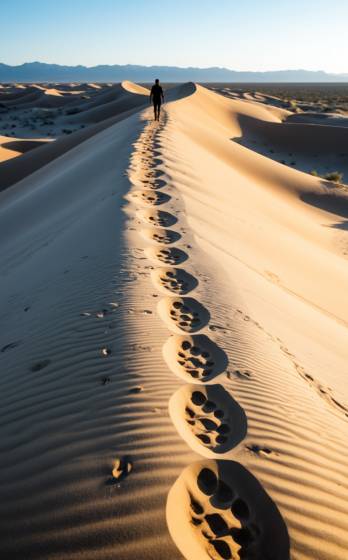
251	35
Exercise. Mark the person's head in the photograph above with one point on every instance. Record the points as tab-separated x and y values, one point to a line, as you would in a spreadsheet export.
156	81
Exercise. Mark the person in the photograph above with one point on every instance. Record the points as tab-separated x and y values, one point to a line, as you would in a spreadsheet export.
157	98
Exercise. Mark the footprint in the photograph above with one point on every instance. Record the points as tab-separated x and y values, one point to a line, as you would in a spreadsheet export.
259	450
122	467
151	197
183	314
171	255
10	346
208	418
136	389
40	365
194	358
161	235
150	174
173	280
224	514
155	184
155	162
157	218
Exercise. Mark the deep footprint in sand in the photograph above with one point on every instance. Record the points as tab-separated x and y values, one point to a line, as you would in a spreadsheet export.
183	314
161	235
194	358
158	218
151	197
173	280
166	255
224	514
153	174
208	418
121	469
155	162
154	184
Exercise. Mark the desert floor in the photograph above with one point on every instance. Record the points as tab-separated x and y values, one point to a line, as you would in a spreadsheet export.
174	334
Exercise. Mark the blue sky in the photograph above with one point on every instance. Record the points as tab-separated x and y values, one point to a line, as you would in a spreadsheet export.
242	35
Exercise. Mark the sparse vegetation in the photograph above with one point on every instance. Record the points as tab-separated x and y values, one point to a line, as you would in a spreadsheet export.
323	98
334	176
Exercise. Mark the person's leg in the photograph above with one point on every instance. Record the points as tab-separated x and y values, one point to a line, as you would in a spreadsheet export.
154	110
158	111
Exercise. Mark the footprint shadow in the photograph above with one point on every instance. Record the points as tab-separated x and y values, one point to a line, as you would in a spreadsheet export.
225	514
167	255
173	280
183	314
151	197
208	418
194	358
155	184
161	235
158	218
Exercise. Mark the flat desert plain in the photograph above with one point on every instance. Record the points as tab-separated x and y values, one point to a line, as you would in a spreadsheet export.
174	326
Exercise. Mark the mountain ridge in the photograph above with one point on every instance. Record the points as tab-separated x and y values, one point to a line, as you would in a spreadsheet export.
46	72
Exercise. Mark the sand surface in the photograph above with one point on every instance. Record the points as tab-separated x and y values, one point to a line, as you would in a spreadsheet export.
173	334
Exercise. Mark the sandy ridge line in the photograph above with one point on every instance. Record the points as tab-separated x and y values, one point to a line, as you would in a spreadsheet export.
226	508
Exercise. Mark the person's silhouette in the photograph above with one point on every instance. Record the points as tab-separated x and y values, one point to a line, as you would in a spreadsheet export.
156	97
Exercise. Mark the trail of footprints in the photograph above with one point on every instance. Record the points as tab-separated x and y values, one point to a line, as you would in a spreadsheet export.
226	514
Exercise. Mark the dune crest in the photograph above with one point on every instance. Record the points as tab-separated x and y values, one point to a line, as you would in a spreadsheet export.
135	88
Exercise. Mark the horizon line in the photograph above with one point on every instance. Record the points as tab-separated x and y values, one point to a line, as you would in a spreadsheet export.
174	66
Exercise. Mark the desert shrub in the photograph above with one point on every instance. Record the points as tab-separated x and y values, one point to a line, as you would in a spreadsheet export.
334	176
66	131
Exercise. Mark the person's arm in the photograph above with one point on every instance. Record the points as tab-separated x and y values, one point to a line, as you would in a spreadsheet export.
162	94
151	94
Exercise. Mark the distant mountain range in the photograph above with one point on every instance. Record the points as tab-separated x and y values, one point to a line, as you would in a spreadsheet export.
42	72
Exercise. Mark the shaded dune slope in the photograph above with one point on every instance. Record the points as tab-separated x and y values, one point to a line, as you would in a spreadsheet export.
102	117
117	99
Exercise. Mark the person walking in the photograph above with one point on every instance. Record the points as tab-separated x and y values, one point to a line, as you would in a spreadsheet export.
157	98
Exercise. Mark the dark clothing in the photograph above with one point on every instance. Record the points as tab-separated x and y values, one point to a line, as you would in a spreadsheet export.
157	94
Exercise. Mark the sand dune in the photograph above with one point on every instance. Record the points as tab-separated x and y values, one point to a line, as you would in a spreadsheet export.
174	339
101	109
13	147
105	113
